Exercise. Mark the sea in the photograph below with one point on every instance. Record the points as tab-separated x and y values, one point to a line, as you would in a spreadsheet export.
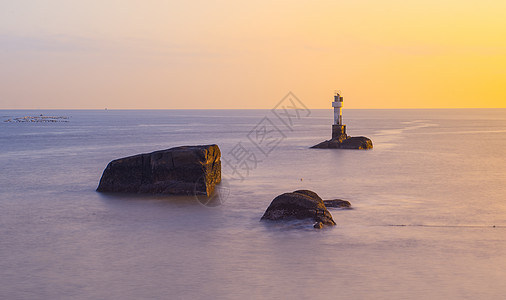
427	221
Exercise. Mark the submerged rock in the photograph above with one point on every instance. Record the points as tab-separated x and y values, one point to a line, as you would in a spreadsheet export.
301	204
337	203
318	225
182	170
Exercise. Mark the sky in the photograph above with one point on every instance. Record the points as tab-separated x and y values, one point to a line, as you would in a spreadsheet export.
230	54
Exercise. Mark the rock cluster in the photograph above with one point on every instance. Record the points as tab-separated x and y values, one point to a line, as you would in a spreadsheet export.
183	170
196	170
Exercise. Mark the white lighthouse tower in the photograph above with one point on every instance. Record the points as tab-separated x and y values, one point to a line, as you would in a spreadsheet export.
338	105
338	129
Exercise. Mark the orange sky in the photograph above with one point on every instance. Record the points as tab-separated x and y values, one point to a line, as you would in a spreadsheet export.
230	54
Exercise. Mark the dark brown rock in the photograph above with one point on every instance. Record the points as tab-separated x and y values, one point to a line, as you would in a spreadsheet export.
357	142
182	170
301	204
338	203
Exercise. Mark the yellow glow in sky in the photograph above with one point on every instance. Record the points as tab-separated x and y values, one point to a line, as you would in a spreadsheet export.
230	54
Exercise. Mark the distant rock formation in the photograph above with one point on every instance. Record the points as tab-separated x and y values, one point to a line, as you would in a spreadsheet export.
182	170
301	204
340	140
38	119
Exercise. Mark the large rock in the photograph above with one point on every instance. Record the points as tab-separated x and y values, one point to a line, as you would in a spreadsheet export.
178	171
301	204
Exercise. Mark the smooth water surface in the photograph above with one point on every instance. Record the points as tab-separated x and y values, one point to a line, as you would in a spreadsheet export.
428	218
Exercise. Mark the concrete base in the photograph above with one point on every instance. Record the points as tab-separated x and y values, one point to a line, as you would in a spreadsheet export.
340	140
338	131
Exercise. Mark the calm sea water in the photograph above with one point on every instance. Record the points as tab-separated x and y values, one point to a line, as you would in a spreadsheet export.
426	200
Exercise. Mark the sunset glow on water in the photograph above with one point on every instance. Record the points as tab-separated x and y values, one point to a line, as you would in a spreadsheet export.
428	215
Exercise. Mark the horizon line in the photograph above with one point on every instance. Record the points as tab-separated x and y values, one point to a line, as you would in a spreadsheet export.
105	109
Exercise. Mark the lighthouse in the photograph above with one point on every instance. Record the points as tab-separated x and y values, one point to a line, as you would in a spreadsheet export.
338	129
338	105
340	140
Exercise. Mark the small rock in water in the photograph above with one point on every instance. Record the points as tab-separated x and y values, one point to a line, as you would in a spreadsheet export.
301	204
337	203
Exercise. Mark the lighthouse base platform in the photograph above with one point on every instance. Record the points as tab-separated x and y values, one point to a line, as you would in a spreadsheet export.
339	132
340	140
